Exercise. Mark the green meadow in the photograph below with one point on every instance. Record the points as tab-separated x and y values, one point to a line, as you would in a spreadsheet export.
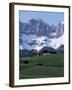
43	66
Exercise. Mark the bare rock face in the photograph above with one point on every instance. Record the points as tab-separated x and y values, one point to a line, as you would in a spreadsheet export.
37	36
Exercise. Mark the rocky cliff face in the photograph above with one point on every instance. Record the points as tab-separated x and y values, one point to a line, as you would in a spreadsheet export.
37	34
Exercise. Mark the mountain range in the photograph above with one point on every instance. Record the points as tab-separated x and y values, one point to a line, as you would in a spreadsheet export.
37	35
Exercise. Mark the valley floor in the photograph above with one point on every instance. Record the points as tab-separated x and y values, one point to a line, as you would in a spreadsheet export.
43	66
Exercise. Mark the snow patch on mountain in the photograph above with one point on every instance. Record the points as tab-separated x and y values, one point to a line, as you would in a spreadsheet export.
33	42
56	43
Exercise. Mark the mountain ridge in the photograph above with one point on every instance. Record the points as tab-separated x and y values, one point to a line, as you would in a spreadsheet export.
36	34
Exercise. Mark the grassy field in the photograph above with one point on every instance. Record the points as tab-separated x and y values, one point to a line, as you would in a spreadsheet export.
41	66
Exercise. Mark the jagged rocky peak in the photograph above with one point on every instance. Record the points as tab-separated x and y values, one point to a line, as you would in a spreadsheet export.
37	34
41	28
